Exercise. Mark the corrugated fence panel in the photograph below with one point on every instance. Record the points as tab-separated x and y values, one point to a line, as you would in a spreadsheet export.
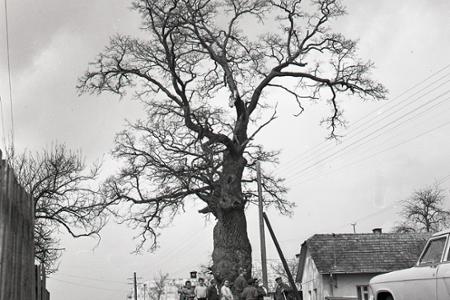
19	280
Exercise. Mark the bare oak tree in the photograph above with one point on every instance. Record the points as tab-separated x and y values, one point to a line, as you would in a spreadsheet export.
424	211
65	198
206	77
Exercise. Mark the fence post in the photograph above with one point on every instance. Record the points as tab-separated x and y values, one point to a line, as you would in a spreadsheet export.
3	229
3	218
9	243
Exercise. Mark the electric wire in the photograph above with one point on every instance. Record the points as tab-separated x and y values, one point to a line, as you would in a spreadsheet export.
3	123
339	153
374	115
9	73
312	151
368	216
90	278
87	286
188	242
369	127
370	124
380	152
444	179
295	174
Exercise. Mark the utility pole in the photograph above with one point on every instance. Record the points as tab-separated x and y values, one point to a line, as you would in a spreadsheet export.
262	237
145	290
283	260
354	227
135	286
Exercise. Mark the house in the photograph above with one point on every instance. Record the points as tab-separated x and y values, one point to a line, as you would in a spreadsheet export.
339	266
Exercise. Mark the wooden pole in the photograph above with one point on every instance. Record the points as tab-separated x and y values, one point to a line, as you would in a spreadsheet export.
38	283
262	237
3	229
44	280
135	286
283	260
9	267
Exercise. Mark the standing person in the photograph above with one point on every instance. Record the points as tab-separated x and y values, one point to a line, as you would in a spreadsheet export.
262	292
187	291
250	292
212	293
282	290
225	291
200	290
240	283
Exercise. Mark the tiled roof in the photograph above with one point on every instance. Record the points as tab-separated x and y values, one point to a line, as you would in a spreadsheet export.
362	253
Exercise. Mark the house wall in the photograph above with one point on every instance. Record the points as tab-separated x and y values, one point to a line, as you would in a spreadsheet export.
312	285
316	286
344	285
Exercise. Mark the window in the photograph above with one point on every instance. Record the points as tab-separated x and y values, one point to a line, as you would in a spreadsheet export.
362	292
433	252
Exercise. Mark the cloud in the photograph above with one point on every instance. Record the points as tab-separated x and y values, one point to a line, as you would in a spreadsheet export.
34	24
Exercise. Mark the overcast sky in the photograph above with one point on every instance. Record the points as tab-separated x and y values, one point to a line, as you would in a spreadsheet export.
389	149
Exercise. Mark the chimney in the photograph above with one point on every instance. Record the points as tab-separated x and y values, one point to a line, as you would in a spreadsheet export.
377	231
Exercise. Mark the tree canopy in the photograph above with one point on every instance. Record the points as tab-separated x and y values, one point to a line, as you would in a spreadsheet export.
66	197
206	71
424	211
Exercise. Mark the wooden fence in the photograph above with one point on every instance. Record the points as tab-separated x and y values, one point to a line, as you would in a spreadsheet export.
19	279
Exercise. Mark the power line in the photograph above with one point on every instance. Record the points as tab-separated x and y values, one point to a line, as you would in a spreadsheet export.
185	267
372	214
382	151
355	133
341	152
383	118
408	90
382	210
91	278
88	286
443	179
9	73
181	247
310	151
3	123
369	135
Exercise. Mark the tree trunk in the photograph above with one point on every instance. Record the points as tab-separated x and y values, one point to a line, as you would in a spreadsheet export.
232	248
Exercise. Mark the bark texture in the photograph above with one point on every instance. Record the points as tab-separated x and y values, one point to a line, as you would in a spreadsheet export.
232	247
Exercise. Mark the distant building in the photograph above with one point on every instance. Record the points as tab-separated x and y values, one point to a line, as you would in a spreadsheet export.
339	266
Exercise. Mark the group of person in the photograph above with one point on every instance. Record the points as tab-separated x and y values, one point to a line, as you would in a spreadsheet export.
243	289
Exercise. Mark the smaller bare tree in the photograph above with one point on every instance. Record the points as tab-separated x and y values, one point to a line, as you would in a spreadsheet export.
278	270
65	195
424	211
157	289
